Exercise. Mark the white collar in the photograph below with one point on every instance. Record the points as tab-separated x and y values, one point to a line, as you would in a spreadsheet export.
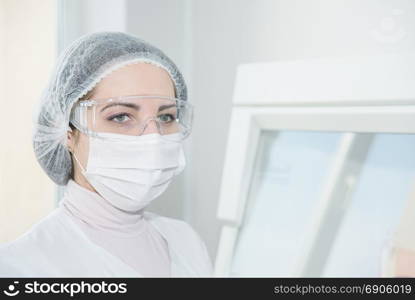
92	209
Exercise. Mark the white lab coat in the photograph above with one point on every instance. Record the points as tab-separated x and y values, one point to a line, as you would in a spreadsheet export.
57	247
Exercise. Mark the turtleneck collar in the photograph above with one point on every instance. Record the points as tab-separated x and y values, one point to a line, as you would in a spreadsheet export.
93	210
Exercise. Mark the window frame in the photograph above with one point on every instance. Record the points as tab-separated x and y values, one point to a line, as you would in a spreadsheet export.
366	112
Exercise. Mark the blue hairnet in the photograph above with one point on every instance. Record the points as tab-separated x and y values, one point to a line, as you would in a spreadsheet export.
77	71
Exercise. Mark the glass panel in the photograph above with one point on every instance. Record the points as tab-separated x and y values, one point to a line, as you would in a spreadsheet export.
290	173
376	209
290	170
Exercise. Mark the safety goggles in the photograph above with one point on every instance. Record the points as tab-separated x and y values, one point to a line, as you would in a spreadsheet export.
132	115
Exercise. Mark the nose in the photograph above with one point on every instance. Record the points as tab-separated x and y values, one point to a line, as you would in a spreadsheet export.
151	126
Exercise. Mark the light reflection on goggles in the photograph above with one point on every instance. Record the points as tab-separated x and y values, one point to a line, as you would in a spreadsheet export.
131	115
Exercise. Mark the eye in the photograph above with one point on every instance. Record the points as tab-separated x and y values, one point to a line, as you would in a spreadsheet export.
167	118
120	118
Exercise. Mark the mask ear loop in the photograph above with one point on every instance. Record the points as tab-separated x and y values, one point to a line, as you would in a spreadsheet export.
73	154
82	168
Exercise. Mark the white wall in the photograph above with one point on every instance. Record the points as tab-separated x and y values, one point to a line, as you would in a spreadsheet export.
27	50
78	17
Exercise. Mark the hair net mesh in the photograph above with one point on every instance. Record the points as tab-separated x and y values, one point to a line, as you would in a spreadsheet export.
77	71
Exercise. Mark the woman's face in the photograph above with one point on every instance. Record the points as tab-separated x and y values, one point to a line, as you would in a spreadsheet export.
135	79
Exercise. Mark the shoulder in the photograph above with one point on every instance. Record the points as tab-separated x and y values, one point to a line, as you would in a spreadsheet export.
35	229
180	229
28	246
186	240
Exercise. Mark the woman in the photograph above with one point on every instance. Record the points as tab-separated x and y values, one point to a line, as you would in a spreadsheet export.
110	127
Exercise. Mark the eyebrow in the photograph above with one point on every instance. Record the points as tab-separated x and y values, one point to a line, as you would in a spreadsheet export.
134	106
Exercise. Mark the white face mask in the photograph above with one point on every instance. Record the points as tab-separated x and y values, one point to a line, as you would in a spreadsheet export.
131	171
